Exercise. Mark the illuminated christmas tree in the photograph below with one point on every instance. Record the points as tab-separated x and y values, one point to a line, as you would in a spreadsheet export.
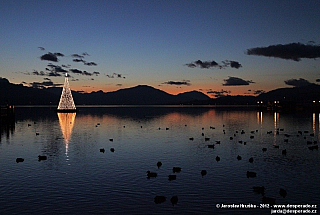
66	103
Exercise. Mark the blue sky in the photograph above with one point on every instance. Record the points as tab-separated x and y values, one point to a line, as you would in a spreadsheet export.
153	42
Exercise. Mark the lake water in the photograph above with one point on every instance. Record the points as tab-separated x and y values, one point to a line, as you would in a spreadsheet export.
77	178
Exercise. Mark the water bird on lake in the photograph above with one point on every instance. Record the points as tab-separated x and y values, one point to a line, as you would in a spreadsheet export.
18	160
251	174
172	177
240	141
211	146
167	128
283	193
111	140
276	146
286	135
217	158
203	172
251	137
269	132
309	142
239	157
176	169
202	134
217	141
42	157
312	134
191	138
231	138
212	127
251	160
286	140
259	190
112	150
264	149
29	125
159	199
242	132
151	174
268	200
313	147
37	134
159	164
174	200
102	150
300	132
206	139
284	152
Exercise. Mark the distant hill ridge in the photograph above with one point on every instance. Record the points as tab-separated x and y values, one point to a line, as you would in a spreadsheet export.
18	94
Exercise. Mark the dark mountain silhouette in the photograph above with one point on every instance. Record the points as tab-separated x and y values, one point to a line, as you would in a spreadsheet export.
296	94
17	94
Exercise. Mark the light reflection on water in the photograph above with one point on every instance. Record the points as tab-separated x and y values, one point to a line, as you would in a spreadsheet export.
79	179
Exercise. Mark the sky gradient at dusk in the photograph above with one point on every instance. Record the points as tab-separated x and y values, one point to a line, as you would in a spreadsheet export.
175	46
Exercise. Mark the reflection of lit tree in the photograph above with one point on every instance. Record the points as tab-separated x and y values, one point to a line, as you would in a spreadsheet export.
66	103
66	121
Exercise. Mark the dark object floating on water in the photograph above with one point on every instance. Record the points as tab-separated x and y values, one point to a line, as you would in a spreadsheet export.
251	160
159	199
276	146
191	138
284	152
268	200
283	193
111	140
176	169
18	160
112	150
239	157
286	140
313	147
151	174
264	149
172	177
159	164
251	137
269	132
102	150
217	141
203	172
217	158
259	190
42	157
37	134
231	138
206	139
251	174
29	125
211	146
174	200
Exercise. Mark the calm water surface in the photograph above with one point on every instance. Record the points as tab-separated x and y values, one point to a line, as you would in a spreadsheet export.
77	178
